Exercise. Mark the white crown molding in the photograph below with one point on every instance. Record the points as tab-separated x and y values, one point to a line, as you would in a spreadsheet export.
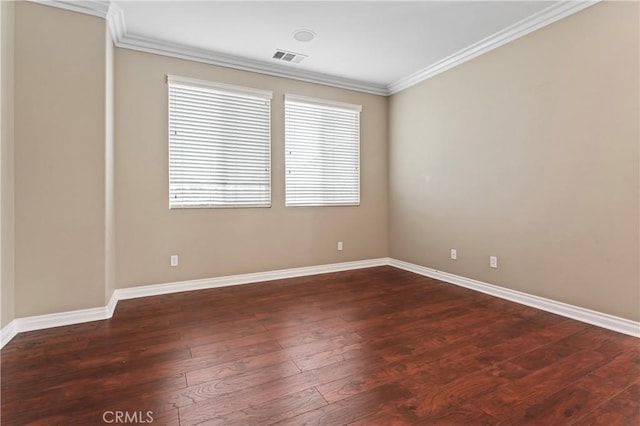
88	7
117	26
115	20
174	50
534	22
39	322
610	322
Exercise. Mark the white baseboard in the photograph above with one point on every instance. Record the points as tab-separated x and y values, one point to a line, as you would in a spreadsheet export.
157	289
610	322
39	322
8	332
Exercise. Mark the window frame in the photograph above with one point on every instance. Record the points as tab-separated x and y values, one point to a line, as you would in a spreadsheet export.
220	88
338	106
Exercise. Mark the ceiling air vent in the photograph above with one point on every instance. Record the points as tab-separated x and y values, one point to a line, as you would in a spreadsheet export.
283	55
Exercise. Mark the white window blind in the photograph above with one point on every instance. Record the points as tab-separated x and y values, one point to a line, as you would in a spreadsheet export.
322	152
219	145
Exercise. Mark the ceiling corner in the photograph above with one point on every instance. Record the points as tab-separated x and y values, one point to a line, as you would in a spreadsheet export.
534	22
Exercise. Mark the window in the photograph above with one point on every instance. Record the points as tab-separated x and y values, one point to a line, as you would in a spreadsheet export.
322	152
219	145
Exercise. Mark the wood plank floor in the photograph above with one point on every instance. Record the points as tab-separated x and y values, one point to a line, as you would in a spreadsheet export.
376	346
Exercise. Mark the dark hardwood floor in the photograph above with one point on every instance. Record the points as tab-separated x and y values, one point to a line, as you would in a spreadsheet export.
376	346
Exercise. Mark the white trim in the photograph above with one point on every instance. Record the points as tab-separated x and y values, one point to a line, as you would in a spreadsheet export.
610	322
59	319
534	22
157	289
322	102
99	8
205	84
117	24
111	305
175	50
40	322
8	332
116	21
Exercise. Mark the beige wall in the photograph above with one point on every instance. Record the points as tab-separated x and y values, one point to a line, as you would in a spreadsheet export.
59	160
218	242
7	218
530	153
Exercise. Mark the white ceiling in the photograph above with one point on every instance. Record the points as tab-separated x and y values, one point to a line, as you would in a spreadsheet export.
374	44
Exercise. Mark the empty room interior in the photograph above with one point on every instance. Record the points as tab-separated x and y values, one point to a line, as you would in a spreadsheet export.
320	212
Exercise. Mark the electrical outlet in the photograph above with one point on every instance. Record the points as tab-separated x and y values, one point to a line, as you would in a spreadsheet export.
493	261
339	245
174	260
454	254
